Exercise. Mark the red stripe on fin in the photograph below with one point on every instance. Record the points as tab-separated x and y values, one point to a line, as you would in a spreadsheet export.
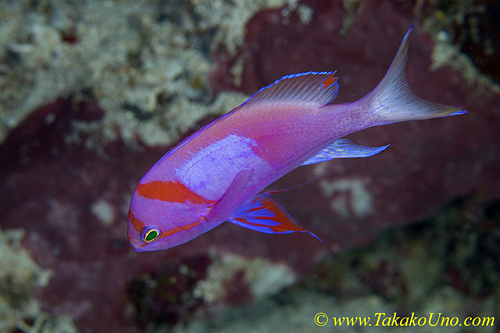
266	215
329	81
170	191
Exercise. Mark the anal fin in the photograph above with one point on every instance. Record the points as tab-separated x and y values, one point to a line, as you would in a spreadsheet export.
343	148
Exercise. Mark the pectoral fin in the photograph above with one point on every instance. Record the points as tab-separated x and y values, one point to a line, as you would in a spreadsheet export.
227	204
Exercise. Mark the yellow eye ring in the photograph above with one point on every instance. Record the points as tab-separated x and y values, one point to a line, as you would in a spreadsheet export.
151	234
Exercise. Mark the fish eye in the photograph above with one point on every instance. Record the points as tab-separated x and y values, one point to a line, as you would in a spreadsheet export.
151	234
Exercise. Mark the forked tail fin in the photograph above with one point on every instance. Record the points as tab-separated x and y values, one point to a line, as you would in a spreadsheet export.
392	100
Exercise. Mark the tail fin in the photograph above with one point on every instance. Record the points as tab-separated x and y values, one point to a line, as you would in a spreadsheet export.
393	100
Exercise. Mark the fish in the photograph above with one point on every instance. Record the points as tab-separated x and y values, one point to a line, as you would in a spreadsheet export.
221	172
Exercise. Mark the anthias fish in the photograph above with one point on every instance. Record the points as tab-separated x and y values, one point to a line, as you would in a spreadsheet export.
219	173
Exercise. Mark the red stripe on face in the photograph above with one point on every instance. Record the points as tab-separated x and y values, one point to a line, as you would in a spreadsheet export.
138	225
176	230
169	191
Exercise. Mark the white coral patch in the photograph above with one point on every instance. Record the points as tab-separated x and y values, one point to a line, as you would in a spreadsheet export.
104	211
19	274
263	277
350	197
305	13
62	214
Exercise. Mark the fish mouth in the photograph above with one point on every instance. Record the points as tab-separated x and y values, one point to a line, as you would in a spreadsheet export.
134	240
138	247
141	246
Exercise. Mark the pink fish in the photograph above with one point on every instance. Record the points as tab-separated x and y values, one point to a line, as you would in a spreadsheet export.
220	172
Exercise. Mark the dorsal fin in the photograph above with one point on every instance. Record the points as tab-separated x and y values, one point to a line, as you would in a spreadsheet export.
316	88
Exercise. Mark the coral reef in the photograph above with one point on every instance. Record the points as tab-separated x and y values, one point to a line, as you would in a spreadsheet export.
19	274
191	287
93	93
446	263
470	26
145	63
260	276
167	297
